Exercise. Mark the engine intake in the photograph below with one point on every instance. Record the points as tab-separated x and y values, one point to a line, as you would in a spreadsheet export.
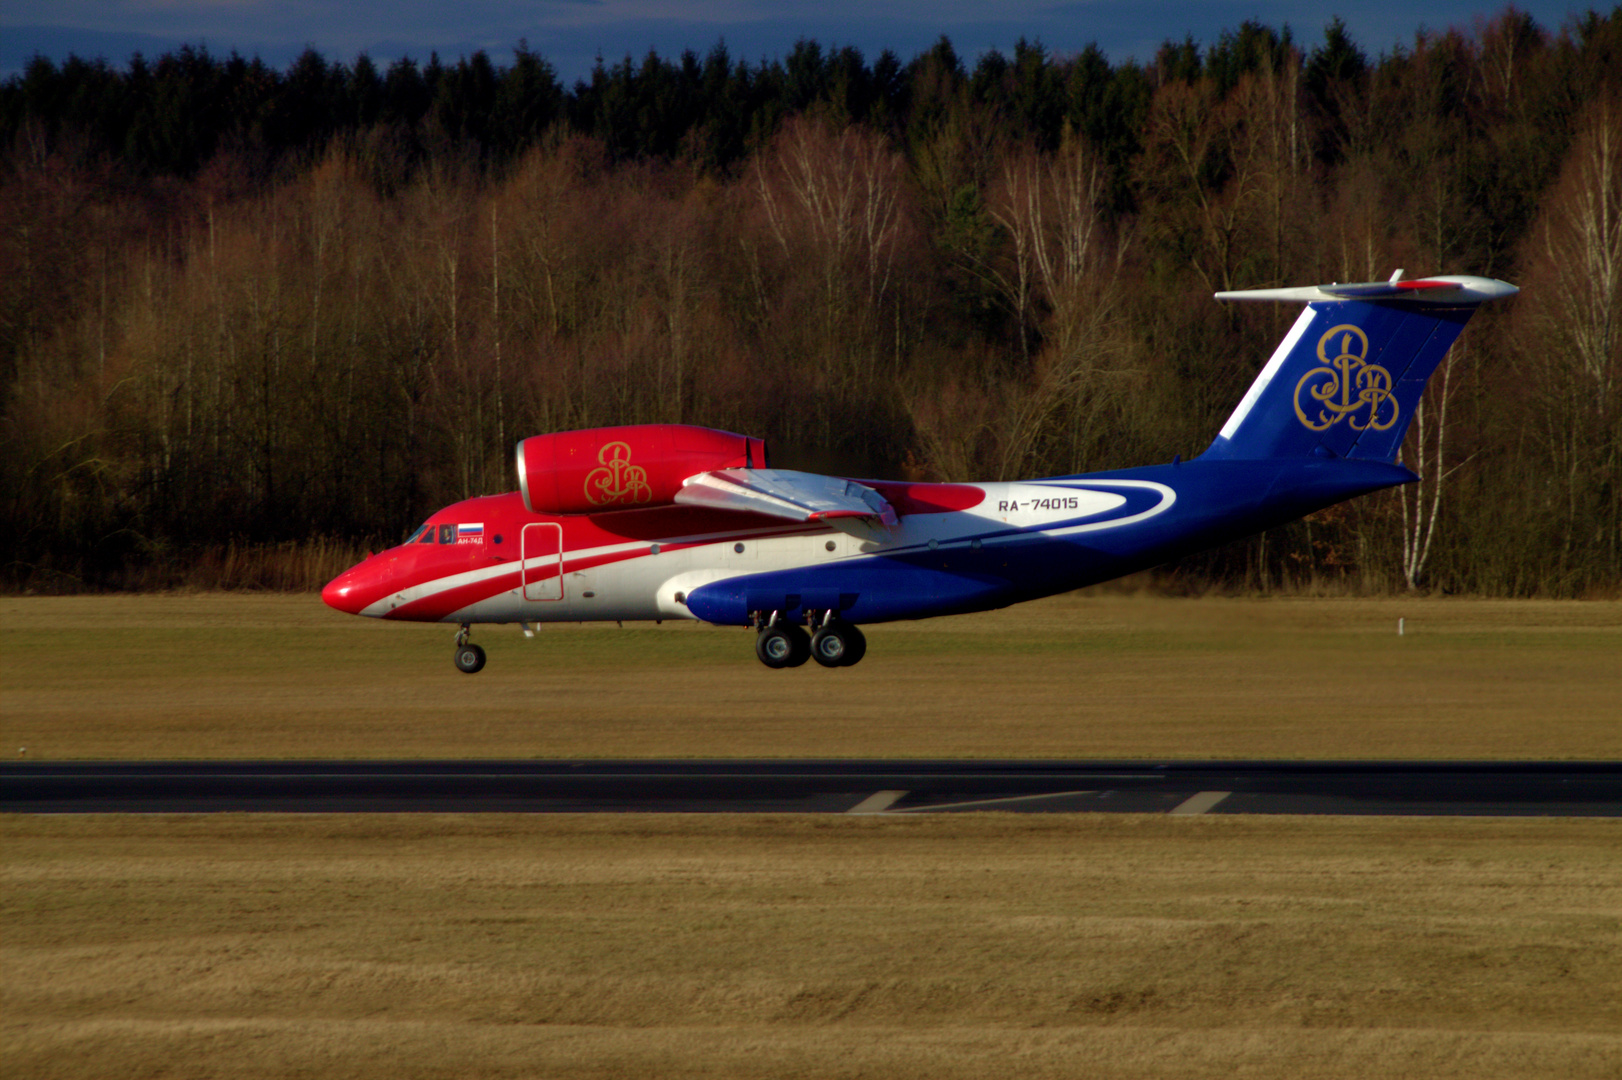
622	468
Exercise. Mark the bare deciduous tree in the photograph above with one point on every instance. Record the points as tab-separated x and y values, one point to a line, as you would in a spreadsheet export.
1573	309
1060	276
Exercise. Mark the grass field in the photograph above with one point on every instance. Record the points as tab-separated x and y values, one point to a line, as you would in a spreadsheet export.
249	946
263	675
236	946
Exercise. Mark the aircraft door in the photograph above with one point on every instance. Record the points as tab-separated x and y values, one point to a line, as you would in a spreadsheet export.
541	552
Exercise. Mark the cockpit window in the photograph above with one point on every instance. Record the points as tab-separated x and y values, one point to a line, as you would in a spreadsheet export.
447	534
423	535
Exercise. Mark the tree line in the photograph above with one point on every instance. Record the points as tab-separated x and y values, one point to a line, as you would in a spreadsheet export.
244	307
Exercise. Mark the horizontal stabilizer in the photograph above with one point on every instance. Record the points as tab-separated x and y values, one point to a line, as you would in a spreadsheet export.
783	493
1450	289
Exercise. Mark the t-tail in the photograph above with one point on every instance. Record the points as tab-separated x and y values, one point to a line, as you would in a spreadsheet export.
1346	379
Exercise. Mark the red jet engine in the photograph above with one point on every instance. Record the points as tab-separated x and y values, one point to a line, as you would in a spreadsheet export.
623	468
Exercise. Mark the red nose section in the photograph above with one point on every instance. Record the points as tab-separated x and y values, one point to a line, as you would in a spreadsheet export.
349	591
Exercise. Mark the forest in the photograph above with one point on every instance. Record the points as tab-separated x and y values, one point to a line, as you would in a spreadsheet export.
271	318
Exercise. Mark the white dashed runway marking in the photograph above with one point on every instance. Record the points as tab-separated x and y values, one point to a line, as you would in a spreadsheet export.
877	803
1200	803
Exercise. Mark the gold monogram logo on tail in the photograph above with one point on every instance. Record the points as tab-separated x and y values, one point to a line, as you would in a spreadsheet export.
616	479
1345	384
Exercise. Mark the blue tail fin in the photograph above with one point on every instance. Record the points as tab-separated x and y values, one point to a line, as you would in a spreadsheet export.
1346	379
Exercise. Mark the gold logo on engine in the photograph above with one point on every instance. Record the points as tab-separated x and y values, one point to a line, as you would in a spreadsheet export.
616	480
1345	384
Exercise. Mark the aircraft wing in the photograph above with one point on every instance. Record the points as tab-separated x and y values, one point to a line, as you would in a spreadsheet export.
784	493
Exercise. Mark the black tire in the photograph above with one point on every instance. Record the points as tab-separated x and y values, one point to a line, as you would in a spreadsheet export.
469	658
830	645
782	646
774	647
802	645
855	645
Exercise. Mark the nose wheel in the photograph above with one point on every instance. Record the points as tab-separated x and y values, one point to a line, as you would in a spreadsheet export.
468	656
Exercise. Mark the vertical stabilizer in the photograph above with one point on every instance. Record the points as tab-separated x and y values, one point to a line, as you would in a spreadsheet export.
1345	380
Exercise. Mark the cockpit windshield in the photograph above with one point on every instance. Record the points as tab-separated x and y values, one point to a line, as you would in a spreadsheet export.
423	535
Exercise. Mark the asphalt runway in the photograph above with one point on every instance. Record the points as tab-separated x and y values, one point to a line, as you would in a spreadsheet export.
1449	788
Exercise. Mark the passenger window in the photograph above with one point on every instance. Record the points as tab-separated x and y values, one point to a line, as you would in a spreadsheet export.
447	534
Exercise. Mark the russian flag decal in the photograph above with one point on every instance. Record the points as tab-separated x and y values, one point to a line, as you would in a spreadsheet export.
472	531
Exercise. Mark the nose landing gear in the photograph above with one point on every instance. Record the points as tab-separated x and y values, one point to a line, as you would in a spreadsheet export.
469	657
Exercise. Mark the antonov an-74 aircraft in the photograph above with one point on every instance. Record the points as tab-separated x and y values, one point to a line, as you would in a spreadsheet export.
668	521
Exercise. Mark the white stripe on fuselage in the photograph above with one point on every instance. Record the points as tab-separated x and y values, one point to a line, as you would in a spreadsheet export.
1168	498
435	586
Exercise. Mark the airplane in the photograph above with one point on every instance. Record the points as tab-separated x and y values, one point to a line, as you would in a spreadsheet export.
672	521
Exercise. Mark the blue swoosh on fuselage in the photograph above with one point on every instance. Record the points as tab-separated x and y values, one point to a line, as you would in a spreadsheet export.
1169	511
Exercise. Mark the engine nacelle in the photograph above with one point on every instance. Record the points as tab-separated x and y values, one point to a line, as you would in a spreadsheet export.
621	468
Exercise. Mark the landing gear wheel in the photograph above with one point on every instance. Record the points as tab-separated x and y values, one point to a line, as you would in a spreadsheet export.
783	645
855	645
831	646
469	658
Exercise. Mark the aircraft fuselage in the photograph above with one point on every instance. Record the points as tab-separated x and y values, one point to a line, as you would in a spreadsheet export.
955	548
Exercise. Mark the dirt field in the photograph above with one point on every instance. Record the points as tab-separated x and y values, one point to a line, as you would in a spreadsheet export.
255	675
274	946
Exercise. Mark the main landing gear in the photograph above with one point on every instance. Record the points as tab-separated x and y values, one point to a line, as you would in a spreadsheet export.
469	657
832	642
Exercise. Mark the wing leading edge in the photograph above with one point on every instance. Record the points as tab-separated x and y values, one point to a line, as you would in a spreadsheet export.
784	493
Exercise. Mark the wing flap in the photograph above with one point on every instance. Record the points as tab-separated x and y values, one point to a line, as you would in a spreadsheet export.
784	493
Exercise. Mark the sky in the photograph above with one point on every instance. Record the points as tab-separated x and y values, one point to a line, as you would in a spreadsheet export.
573	33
